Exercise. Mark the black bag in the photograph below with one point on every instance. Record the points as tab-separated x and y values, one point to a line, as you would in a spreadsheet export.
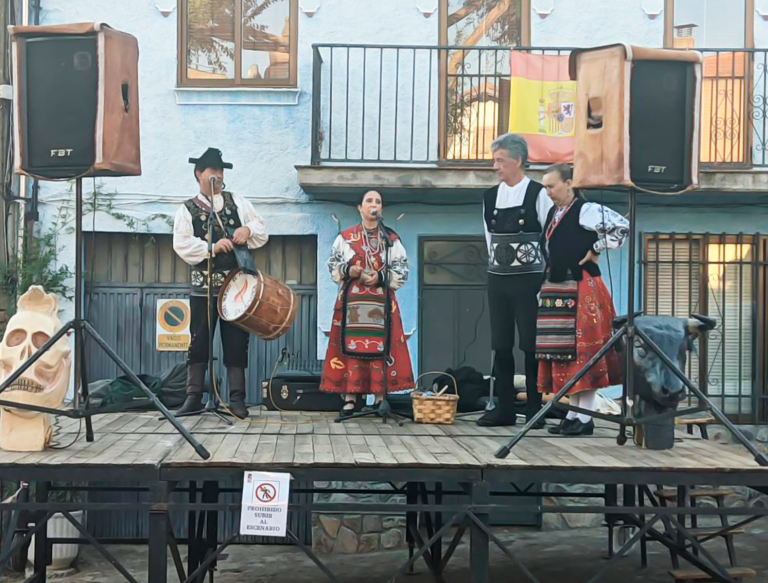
472	388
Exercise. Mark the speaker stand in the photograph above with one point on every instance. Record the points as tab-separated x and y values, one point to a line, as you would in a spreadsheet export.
81	328
630	332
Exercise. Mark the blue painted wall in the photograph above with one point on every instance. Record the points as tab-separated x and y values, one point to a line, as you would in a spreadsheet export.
265	133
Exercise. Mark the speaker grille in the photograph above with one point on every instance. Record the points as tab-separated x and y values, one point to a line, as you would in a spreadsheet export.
661	123
60	84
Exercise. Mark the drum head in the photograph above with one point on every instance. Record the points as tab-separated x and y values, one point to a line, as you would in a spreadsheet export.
237	295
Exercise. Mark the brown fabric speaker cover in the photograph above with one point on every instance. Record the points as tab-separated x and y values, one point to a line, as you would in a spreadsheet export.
602	138
116	137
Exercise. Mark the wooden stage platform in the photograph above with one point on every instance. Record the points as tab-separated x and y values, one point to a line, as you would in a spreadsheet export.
140	448
273	440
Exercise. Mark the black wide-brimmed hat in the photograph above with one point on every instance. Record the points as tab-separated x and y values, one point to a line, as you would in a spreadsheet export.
211	159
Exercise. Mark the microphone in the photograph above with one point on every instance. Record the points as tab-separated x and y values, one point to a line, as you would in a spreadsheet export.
216	184
375	214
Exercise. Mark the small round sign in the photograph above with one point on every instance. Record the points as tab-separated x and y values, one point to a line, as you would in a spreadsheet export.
174	316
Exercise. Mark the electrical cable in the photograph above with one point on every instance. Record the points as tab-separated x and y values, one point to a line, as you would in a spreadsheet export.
474	338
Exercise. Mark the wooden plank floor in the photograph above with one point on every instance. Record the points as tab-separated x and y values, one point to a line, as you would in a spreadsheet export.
312	439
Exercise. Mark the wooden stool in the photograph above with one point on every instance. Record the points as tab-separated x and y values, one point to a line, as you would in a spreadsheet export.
700	422
690	497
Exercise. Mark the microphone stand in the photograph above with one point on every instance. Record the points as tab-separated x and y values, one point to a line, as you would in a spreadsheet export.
212	405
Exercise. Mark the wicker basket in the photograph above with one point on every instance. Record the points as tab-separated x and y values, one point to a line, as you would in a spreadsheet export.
439	408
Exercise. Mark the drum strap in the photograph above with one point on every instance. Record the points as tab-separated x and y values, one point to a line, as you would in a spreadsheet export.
242	255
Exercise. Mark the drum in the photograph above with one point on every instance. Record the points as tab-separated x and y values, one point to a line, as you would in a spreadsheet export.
258	304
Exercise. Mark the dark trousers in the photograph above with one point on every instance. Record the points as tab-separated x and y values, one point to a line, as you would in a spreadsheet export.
513	304
504	373
234	340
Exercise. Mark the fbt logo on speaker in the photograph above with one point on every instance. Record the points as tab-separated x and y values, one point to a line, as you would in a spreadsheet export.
657	169
61	153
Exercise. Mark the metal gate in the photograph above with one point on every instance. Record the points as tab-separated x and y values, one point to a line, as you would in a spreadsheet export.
128	275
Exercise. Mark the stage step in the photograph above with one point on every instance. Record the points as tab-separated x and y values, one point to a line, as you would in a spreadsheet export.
705	532
672	494
697	575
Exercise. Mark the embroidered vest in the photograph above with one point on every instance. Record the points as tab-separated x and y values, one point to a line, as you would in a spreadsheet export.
515	234
223	263
568	245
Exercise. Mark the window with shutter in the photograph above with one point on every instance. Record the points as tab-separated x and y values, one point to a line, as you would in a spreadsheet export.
714	275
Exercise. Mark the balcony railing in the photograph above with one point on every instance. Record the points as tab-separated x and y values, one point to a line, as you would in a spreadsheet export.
393	104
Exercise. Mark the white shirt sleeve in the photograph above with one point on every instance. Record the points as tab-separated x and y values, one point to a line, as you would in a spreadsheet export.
485	230
251	219
398	266
543	204
191	249
341	255
612	229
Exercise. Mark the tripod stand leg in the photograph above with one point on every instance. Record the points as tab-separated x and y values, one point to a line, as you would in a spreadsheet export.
198	447
503	451
80	338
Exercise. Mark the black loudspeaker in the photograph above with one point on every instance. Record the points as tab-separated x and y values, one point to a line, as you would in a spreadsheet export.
76	101
637	117
661	120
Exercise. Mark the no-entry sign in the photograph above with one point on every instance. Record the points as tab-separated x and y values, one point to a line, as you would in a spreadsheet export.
265	504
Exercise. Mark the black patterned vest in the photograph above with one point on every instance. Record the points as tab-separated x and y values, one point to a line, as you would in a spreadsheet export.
223	262
515	234
569	244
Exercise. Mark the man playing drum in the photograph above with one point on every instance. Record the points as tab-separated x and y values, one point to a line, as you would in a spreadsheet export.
237	216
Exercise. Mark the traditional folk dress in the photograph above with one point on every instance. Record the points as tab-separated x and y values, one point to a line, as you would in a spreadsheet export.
575	317
367	352
190	243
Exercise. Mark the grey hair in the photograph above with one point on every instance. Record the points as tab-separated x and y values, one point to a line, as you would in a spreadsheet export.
512	144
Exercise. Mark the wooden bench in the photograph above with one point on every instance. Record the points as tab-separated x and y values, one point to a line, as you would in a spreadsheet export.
672	494
697	575
701	422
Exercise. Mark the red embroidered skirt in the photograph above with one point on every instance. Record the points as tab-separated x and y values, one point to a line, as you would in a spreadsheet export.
594	327
346	374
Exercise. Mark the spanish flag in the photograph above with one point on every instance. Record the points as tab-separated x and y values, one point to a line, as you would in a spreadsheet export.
542	106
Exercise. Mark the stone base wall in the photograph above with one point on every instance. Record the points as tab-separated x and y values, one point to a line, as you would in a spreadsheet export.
356	533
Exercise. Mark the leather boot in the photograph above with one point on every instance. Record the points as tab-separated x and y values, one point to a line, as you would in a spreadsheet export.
503	414
236	381
195	387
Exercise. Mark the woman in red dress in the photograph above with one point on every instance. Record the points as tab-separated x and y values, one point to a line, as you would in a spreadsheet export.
576	313
367	352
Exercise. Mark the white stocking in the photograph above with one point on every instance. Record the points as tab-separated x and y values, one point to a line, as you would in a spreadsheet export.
573	400
587	401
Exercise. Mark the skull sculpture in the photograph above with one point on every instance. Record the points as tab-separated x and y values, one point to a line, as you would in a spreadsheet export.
44	384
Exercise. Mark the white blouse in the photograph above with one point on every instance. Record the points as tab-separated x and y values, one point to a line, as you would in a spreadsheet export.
612	228
193	249
397	262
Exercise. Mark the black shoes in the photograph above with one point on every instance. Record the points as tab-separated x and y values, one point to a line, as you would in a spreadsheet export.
558	429
573	428
577	428
497	417
540	424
